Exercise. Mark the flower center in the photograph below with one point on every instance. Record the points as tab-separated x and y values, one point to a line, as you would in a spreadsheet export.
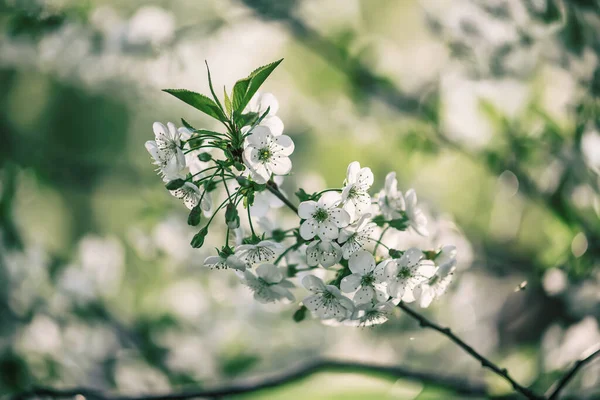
367	280
328	296
321	215
264	154
404	273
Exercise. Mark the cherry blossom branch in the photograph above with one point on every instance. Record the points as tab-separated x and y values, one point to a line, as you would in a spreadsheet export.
457	385
554	391
272	187
503	372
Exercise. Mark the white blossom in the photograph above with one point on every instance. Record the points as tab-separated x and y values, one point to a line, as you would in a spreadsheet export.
265	200
166	145
191	196
373	313
323	218
231	261
259	104
437	285
268	284
327	301
404	274
367	278
356	236
323	252
263	252
355	197
394	205
266	154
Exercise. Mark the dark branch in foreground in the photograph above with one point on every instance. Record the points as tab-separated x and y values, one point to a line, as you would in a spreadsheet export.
457	385
503	372
554	391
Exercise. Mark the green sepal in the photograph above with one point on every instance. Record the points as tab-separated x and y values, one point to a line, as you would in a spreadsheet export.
175	184
195	216
205	157
198	240
300	314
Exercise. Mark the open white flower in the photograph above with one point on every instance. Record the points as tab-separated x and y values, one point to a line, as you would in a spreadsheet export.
263	252
323	218
327	301
416	218
356	236
373	313
407	272
391	200
168	142
168	168
191	196
266	154
394	205
268	284
324	252
437	285
367	278
355	197
231	261
259	104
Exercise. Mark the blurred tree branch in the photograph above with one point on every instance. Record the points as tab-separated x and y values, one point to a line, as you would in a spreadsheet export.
457	385
555	390
379	87
503	372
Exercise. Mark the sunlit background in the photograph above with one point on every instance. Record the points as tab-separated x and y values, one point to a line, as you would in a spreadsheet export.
488	108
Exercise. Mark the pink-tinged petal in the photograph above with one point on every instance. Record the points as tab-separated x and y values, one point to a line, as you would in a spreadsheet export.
308	229
364	178
306	209
280	165
364	295
329	199
283	144
352	172
328	230
350	283
361	262
339	217
313	284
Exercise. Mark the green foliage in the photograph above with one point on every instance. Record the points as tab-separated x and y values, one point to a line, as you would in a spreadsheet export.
245	88
198	101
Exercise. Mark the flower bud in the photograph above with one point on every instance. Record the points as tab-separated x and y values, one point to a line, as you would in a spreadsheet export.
204	157
198	239
195	215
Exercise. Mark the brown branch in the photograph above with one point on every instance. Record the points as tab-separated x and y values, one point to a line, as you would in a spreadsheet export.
503	372
459	386
554	391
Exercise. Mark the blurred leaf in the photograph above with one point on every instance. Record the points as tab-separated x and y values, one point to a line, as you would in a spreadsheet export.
238	364
246	88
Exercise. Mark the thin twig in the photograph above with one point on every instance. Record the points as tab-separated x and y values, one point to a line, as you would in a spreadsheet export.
503	372
554	391
459	386
272	187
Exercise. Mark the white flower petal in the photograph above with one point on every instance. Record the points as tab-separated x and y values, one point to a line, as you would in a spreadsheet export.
361	262
308	229
306	209
350	283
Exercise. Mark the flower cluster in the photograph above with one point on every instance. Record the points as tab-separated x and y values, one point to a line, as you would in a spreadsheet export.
334	251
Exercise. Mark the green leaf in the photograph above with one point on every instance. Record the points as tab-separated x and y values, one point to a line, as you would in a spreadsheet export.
379	220
212	90
228	106
198	101
204	157
187	125
401	224
246	119
395	253
244	89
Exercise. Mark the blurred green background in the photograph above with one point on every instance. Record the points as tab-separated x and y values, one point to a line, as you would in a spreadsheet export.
489	109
